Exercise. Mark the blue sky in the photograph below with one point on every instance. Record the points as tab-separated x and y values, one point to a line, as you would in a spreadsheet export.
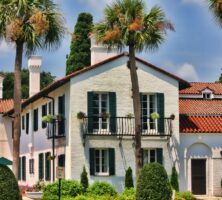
194	51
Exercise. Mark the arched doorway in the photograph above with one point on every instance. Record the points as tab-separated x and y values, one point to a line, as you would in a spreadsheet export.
199	158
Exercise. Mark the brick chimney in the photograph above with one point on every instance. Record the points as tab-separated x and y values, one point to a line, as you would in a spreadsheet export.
100	52
1	85
34	66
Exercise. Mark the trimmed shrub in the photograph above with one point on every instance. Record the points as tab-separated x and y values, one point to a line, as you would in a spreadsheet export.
129	178
174	179
69	188
153	183
128	194
184	196
9	189
84	179
101	188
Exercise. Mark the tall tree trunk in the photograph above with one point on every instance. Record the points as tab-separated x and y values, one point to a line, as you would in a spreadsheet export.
17	106
136	107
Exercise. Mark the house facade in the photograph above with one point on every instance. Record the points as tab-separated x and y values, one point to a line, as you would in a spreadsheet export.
102	137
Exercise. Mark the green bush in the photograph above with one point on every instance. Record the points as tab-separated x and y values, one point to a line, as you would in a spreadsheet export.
69	188
129	178
9	189
184	196
101	188
84	179
174	179
153	183
128	194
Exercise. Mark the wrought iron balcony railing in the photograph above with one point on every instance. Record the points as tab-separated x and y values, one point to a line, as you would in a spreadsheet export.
125	126
56	128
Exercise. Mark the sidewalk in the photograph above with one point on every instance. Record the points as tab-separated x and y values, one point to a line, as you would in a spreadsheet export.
208	198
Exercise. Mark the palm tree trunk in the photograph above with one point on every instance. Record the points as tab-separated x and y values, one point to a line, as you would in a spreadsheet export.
17	106
136	107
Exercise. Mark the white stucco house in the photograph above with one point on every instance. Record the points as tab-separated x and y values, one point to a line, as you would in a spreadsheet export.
103	140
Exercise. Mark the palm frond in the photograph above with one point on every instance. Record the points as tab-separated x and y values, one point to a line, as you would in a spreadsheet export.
216	8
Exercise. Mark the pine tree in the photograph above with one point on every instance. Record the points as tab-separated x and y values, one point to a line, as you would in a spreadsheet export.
79	56
129	178
174	179
84	179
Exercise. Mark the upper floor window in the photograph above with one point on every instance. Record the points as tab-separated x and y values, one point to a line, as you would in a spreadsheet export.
207	95
31	166
27	123
44	113
23	122
100	108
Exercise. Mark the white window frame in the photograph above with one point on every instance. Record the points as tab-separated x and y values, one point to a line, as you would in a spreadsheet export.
100	173
148	112
205	95
148	159
100	110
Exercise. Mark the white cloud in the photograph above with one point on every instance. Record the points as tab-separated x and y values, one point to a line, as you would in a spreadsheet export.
197	2
188	72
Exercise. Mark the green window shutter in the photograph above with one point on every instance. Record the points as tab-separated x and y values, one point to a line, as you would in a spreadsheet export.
19	169
41	166
160	155
61	105
160	110
47	167
44	113
111	161
112	110
27	123
23	168
35	120
90	111
92	161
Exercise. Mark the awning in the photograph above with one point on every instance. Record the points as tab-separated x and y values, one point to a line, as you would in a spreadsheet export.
5	161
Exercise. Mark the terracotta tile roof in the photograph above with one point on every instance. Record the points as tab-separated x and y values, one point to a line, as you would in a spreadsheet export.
62	81
200	124
6	105
196	88
200	107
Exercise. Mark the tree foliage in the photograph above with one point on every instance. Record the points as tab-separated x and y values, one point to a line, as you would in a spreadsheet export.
8	83
79	56
153	183
174	179
9	189
84	179
129	178
216	8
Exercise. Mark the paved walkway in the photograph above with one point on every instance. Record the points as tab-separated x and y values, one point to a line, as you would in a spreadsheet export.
208	198
26	198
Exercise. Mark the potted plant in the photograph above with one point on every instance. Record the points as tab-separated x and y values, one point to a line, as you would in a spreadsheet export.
51	157
154	116
48	118
35	192
129	115
105	115
81	115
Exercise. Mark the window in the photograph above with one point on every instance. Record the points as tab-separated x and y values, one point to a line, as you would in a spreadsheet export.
148	105
50	108
100	106
23	122
31	166
61	160
27	123
101	162
19	169
41	166
44	113
149	156
61	111
35	120
207	95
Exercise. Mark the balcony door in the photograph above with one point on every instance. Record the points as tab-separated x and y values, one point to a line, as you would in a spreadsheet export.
149	106
100	109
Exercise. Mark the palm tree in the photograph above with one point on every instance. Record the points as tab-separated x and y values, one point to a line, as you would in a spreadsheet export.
126	24
216	7
29	25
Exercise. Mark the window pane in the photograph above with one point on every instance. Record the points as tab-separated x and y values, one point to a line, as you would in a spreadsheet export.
145	156
152	155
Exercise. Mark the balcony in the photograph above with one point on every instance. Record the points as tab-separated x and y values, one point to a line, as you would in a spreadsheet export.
56	128
125	126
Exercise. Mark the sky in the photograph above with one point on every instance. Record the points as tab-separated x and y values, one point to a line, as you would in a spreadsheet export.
193	51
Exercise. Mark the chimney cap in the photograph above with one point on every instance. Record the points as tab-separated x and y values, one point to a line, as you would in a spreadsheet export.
34	61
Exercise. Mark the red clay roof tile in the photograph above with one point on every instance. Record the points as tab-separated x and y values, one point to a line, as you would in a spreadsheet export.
6	105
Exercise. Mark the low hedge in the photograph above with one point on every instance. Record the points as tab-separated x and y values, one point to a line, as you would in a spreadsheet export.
184	196
101	188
